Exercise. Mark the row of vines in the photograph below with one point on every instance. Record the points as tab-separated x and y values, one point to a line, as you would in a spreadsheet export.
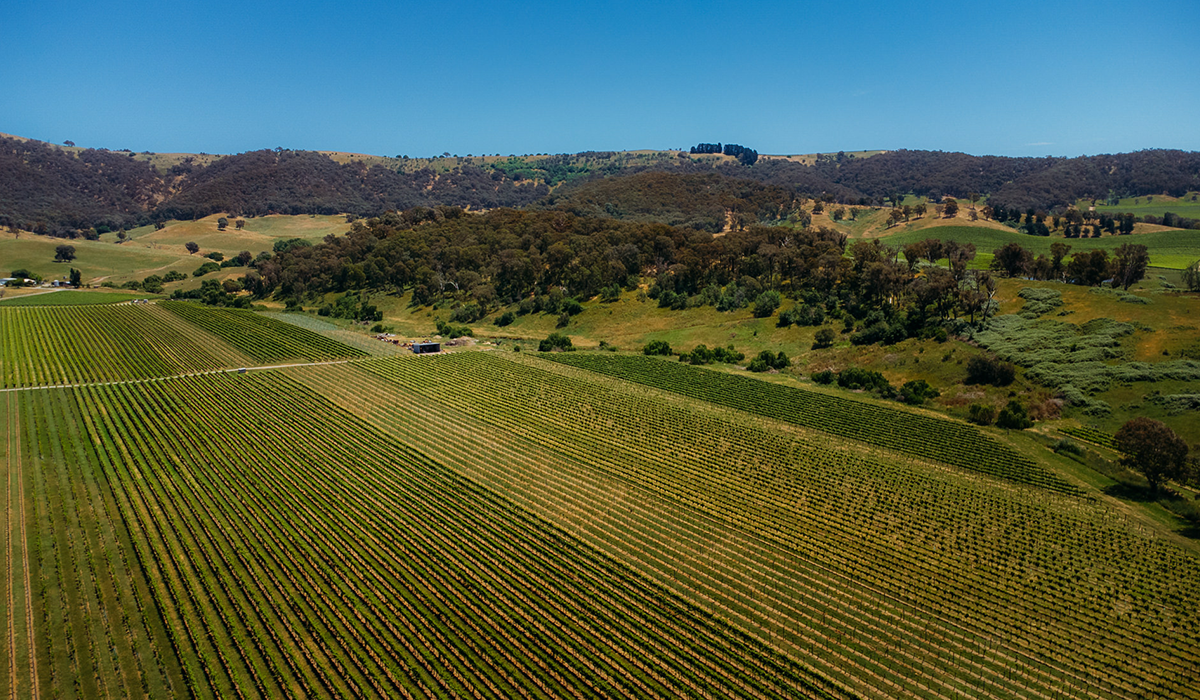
264	339
920	435
76	344
890	576
239	536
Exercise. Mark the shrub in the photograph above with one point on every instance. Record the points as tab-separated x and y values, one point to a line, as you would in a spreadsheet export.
174	276
610	293
556	341
766	303
866	379
657	347
325	310
506	319
153	284
703	356
563	320
215	255
452	331
981	414
205	269
917	392
989	370
1014	416
572	307
766	360
824	338
467	313
824	377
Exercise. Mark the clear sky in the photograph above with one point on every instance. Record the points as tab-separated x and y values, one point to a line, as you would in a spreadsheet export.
1037	77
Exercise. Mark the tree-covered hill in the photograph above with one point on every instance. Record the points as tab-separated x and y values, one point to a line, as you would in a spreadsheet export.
72	192
704	201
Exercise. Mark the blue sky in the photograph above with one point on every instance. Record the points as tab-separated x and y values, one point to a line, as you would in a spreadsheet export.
390	78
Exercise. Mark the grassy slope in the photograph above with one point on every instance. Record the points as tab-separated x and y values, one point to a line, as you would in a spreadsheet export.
1169	248
148	251
72	297
1186	206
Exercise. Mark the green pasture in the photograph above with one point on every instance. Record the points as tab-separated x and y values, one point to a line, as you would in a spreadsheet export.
75	297
96	260
1171	248
1187	206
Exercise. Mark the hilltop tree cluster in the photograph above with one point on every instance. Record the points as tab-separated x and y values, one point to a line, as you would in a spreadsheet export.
745	156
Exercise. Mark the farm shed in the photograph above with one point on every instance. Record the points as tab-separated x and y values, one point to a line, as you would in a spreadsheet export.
421	348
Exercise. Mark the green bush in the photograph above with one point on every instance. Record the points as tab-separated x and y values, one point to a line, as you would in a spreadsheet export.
866	379
506	319
153	284
452	331
1039	302
824	338
1014	416
766	360
989	370
205	269
701	355
917	392
556	341
657	347
572	307
981	414
824	377
174	276
467	313
766	303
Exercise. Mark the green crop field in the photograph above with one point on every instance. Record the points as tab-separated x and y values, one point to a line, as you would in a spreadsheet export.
499	524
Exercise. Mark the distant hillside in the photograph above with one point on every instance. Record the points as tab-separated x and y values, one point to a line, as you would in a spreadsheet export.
50	190
703	201
68	191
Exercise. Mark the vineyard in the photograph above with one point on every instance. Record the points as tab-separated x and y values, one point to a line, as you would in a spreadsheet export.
500	525
890	576
41	346
262	338
912	433
179	558
74	344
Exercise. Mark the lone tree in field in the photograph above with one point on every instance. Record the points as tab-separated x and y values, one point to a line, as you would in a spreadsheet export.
76	278
1153	449
1129	264
222	223
950	207
192	247
64	253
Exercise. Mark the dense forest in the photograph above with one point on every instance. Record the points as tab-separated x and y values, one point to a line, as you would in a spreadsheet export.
72	192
